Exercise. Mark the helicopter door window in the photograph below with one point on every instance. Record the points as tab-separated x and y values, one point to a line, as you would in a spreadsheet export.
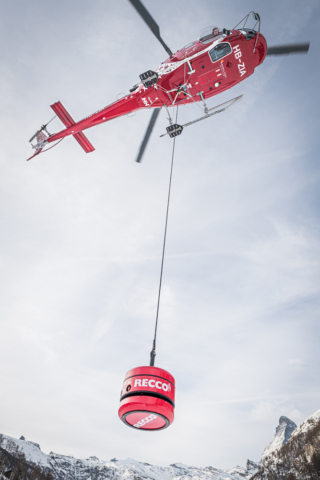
220	51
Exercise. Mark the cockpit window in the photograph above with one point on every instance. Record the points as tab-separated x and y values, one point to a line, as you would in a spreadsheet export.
220	51
210	39
189	45
209	34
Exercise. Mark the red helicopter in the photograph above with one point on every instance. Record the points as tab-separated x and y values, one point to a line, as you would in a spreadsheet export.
217	61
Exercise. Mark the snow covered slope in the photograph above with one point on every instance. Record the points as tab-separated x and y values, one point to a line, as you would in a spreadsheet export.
283	433
69	468
308	424
295	441
30	449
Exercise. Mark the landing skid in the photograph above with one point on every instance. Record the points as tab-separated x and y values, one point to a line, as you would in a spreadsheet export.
177	130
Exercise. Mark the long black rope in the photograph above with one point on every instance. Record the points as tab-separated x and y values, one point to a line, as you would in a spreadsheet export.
153	351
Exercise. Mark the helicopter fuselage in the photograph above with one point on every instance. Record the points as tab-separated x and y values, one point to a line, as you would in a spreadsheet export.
194	73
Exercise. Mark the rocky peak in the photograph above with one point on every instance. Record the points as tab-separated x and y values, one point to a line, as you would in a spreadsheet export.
34	444
251	469
299	458
282	435
252	466
287	421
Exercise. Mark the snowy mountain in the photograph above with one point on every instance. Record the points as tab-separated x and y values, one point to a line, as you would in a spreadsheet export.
298	458
63	467
290	452
283	433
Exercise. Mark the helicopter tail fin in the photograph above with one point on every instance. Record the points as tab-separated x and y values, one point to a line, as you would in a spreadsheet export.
68	121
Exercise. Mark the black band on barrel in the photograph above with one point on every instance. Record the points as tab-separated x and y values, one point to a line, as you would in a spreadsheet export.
148	394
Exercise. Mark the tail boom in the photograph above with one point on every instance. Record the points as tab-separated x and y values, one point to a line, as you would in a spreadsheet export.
121	107
117	109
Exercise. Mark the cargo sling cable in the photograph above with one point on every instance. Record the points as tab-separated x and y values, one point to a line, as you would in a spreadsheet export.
147	398
153	351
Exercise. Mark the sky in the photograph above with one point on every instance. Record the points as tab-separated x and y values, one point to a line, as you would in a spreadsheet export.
81	236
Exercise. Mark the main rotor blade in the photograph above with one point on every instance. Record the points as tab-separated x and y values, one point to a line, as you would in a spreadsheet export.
154	27
288	49
144	143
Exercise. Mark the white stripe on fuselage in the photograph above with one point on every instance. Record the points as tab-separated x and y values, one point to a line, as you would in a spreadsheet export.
170	67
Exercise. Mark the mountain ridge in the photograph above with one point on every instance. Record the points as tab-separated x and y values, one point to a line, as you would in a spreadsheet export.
298	458
283	432
67	467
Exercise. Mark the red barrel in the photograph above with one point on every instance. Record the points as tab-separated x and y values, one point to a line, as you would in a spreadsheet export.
147	399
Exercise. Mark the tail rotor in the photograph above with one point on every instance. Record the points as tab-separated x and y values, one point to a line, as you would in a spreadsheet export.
43	128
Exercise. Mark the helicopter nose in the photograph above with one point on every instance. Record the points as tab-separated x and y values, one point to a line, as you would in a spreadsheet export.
261	49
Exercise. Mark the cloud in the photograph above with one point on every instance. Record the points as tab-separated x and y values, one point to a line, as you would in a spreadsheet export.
269	411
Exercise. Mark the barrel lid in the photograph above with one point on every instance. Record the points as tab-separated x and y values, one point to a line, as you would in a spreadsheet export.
155	371
145	420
